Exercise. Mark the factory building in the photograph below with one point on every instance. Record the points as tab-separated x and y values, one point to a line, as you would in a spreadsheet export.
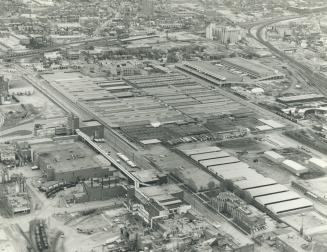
274	157
251	68
294	167
317	163
95	189
291	205
300	98
69	162
155	202
265	193
93	129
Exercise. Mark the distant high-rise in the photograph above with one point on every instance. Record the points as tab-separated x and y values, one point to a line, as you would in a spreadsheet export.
147	8
224	34
4	89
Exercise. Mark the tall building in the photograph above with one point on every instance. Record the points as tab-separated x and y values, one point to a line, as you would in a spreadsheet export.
147	8
4	89
224	34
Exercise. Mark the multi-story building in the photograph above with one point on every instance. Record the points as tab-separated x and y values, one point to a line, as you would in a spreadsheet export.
156	202
248	217
224	34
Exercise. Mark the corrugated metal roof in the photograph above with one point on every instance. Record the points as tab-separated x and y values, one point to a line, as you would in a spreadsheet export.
267	190
211	155
291	205
247	184
219	161
232	166
201	150
277	197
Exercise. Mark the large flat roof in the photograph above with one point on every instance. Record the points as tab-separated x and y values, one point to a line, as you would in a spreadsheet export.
201	150
211	155
277	197
231	166
69	156
154	191
247	184
303	97
291	205
237	173
294	165
250	65
219	161
274	155
267	190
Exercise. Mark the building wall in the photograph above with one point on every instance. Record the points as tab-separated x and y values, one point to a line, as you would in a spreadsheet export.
74	176
99	193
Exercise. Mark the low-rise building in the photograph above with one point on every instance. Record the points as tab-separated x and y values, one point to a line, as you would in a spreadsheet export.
69	162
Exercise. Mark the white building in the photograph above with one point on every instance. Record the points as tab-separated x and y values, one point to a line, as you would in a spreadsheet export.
224	34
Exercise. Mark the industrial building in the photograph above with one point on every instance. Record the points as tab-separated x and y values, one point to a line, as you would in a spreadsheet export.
300	98
156	202
317	163
208	156
316	189
293	242
266	190
274	156
254	182
291	205
151	177
294	167
70	162
211	72
248	217
203	150
95	189
277	198
219	161
251	68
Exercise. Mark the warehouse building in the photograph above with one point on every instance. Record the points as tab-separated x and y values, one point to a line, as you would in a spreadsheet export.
301	98
292	242
70	162
208	156
219	161
274	157
228	167
256	182
201	150
236	174
266	190
277	198
317	163
294	167
155	202
251	68
289	206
